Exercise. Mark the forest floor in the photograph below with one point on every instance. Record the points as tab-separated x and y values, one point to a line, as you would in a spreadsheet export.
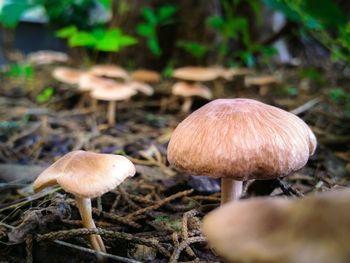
154	216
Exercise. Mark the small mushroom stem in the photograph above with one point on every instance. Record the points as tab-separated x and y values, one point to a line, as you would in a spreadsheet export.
219	88
93	104
112	105
230	190
186	106
264	90
84	206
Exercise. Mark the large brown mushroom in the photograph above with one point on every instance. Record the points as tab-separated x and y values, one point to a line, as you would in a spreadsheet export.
86	175
240	139
274	230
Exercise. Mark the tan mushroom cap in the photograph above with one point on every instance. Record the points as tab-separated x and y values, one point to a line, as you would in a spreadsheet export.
89	82
44	57
145	75
117	92
140	87
197	73
241	139
86	174
189	90
274	230
112	71
261	80
67	75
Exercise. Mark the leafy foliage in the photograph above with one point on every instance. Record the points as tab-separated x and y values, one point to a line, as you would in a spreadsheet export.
18	70
154	20
108	40
45	95
196	49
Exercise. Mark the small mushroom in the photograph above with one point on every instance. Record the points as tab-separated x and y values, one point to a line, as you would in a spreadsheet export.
263	82
188	91
45	57
146	75
273	230
86	175
67	75
240	139
110	71
112	94
140	87
202	74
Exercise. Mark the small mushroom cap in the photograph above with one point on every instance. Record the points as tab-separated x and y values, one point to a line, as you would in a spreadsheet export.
197	73
260	81
89	82
241	139
67	75
117	92
273	230
191	89
141	87
145	75
86	174
111	71
45	57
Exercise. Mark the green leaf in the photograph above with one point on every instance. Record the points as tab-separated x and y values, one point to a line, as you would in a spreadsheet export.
154	47
12	11
126	40
146	30
106	3
149	15
82	39
45	95
165	12
195	49
216	22
66	32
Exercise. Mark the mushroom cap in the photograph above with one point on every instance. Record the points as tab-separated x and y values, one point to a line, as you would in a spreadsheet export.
273	230
89	82
197	73
112	71
145	75
67	75
191	89
86	174
241	139
117	92
260	80
140	86
45	57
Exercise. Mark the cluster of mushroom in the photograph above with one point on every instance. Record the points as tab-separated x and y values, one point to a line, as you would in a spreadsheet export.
241	139
108	83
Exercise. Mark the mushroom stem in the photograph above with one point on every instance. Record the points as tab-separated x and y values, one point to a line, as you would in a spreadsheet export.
112	105
263	90
186	106
84	206
219	88
230	190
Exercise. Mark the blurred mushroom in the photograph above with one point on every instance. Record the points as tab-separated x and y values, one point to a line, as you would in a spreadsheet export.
111	71
273	230
263	82
240	139
45	57
88	82
188	91
230	73
145	75
67	75
201	74
140	87
112	94
86	175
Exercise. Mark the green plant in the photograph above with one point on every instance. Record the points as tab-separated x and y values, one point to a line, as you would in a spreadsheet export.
100	39
196	49
154	20
45	95
24	71
340	97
